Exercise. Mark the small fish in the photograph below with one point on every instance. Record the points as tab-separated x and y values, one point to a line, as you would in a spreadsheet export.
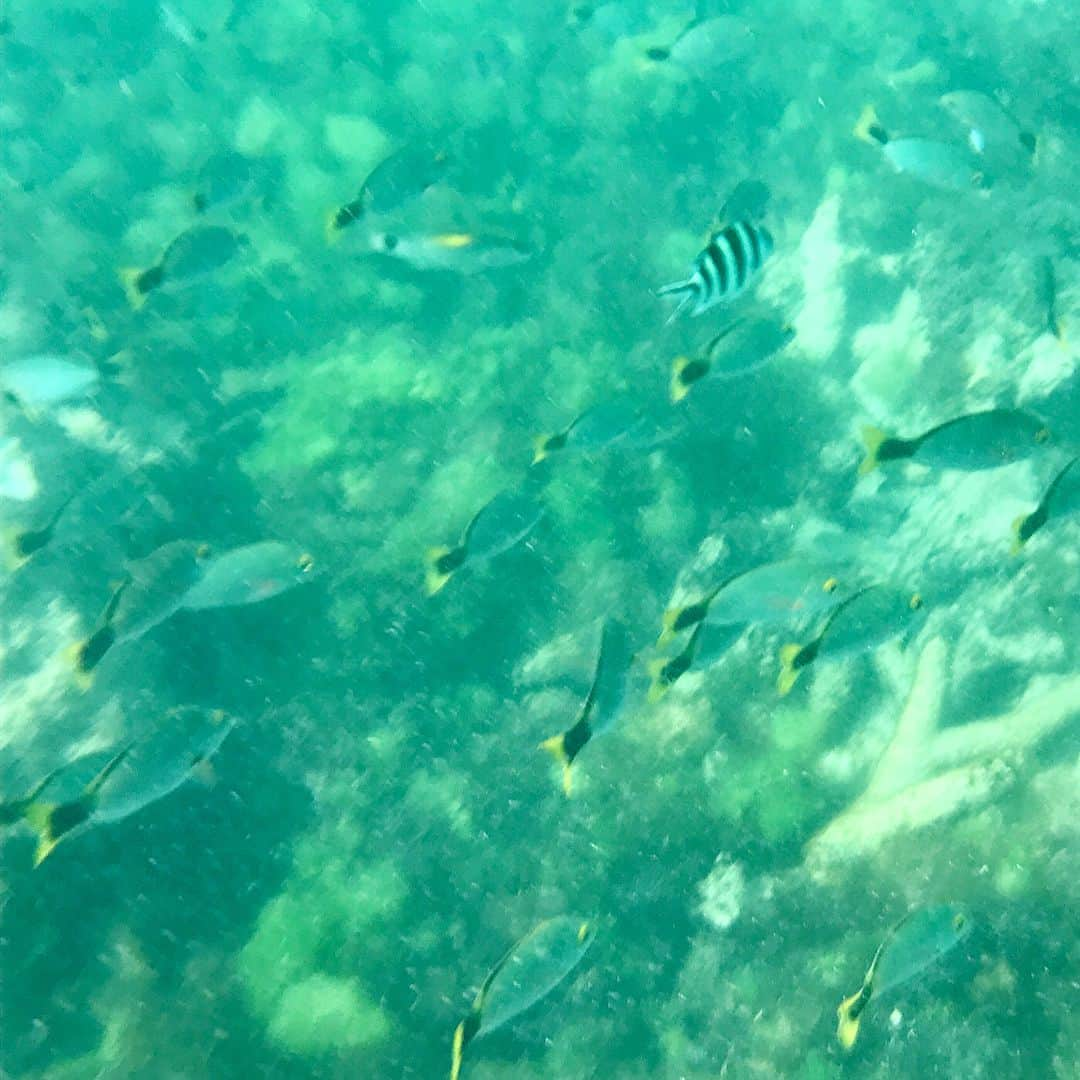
747	202
609	424
194	255
398	179
147	769
496	527
529	971
40	382
151	591
766	594
462	253
919	940
865	619
1062	497
980	440
993	132
227	179
22	545
707	46
738	349
732	257
1047	290
938	164
248	575
605	701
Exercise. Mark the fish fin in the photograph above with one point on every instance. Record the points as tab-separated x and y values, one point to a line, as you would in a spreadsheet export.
668	629
686	291
872	438
39	816
540	448
97	328
331	229
434	578
678	388
9	542
73	657
847	1028
1018	537
868	127
657	688
556	747
129	277
457	1050
788	671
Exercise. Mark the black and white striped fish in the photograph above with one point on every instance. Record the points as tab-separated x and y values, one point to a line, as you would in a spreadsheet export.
730	259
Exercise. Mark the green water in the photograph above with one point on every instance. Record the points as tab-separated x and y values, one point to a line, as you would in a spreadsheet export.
381	826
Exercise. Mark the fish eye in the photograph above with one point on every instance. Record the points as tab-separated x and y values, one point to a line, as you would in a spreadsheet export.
389	242
305	563
830	585
915	602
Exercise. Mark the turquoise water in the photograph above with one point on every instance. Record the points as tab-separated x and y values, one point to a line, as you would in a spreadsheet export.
380	826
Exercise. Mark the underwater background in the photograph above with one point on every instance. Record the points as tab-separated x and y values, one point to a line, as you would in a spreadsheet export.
380	826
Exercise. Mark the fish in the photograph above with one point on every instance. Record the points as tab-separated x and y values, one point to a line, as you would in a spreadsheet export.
919	940
731	259
765	594
975	441
151	590
610	424
459	252
145	770
742	347
941	165
40	382
22	545
529	970
993	131
706	46
248	575
604	703
1047	290
396	181
500	524
748	201
194	255
227	179
858	623
1061	497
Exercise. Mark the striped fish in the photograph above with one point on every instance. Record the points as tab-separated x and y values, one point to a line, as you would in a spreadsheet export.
732	256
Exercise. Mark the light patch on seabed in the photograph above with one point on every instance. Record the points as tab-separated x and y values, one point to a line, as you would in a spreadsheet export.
891	356
821	258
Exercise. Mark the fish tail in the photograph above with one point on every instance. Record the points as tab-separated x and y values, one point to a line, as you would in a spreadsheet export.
331	227
659	685
13	555
868	127
686	292
789	673
669	626
873	438
678	388
435	577
1019	539
131	278
457	1050
541	446
556	747
39	816
847	1028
